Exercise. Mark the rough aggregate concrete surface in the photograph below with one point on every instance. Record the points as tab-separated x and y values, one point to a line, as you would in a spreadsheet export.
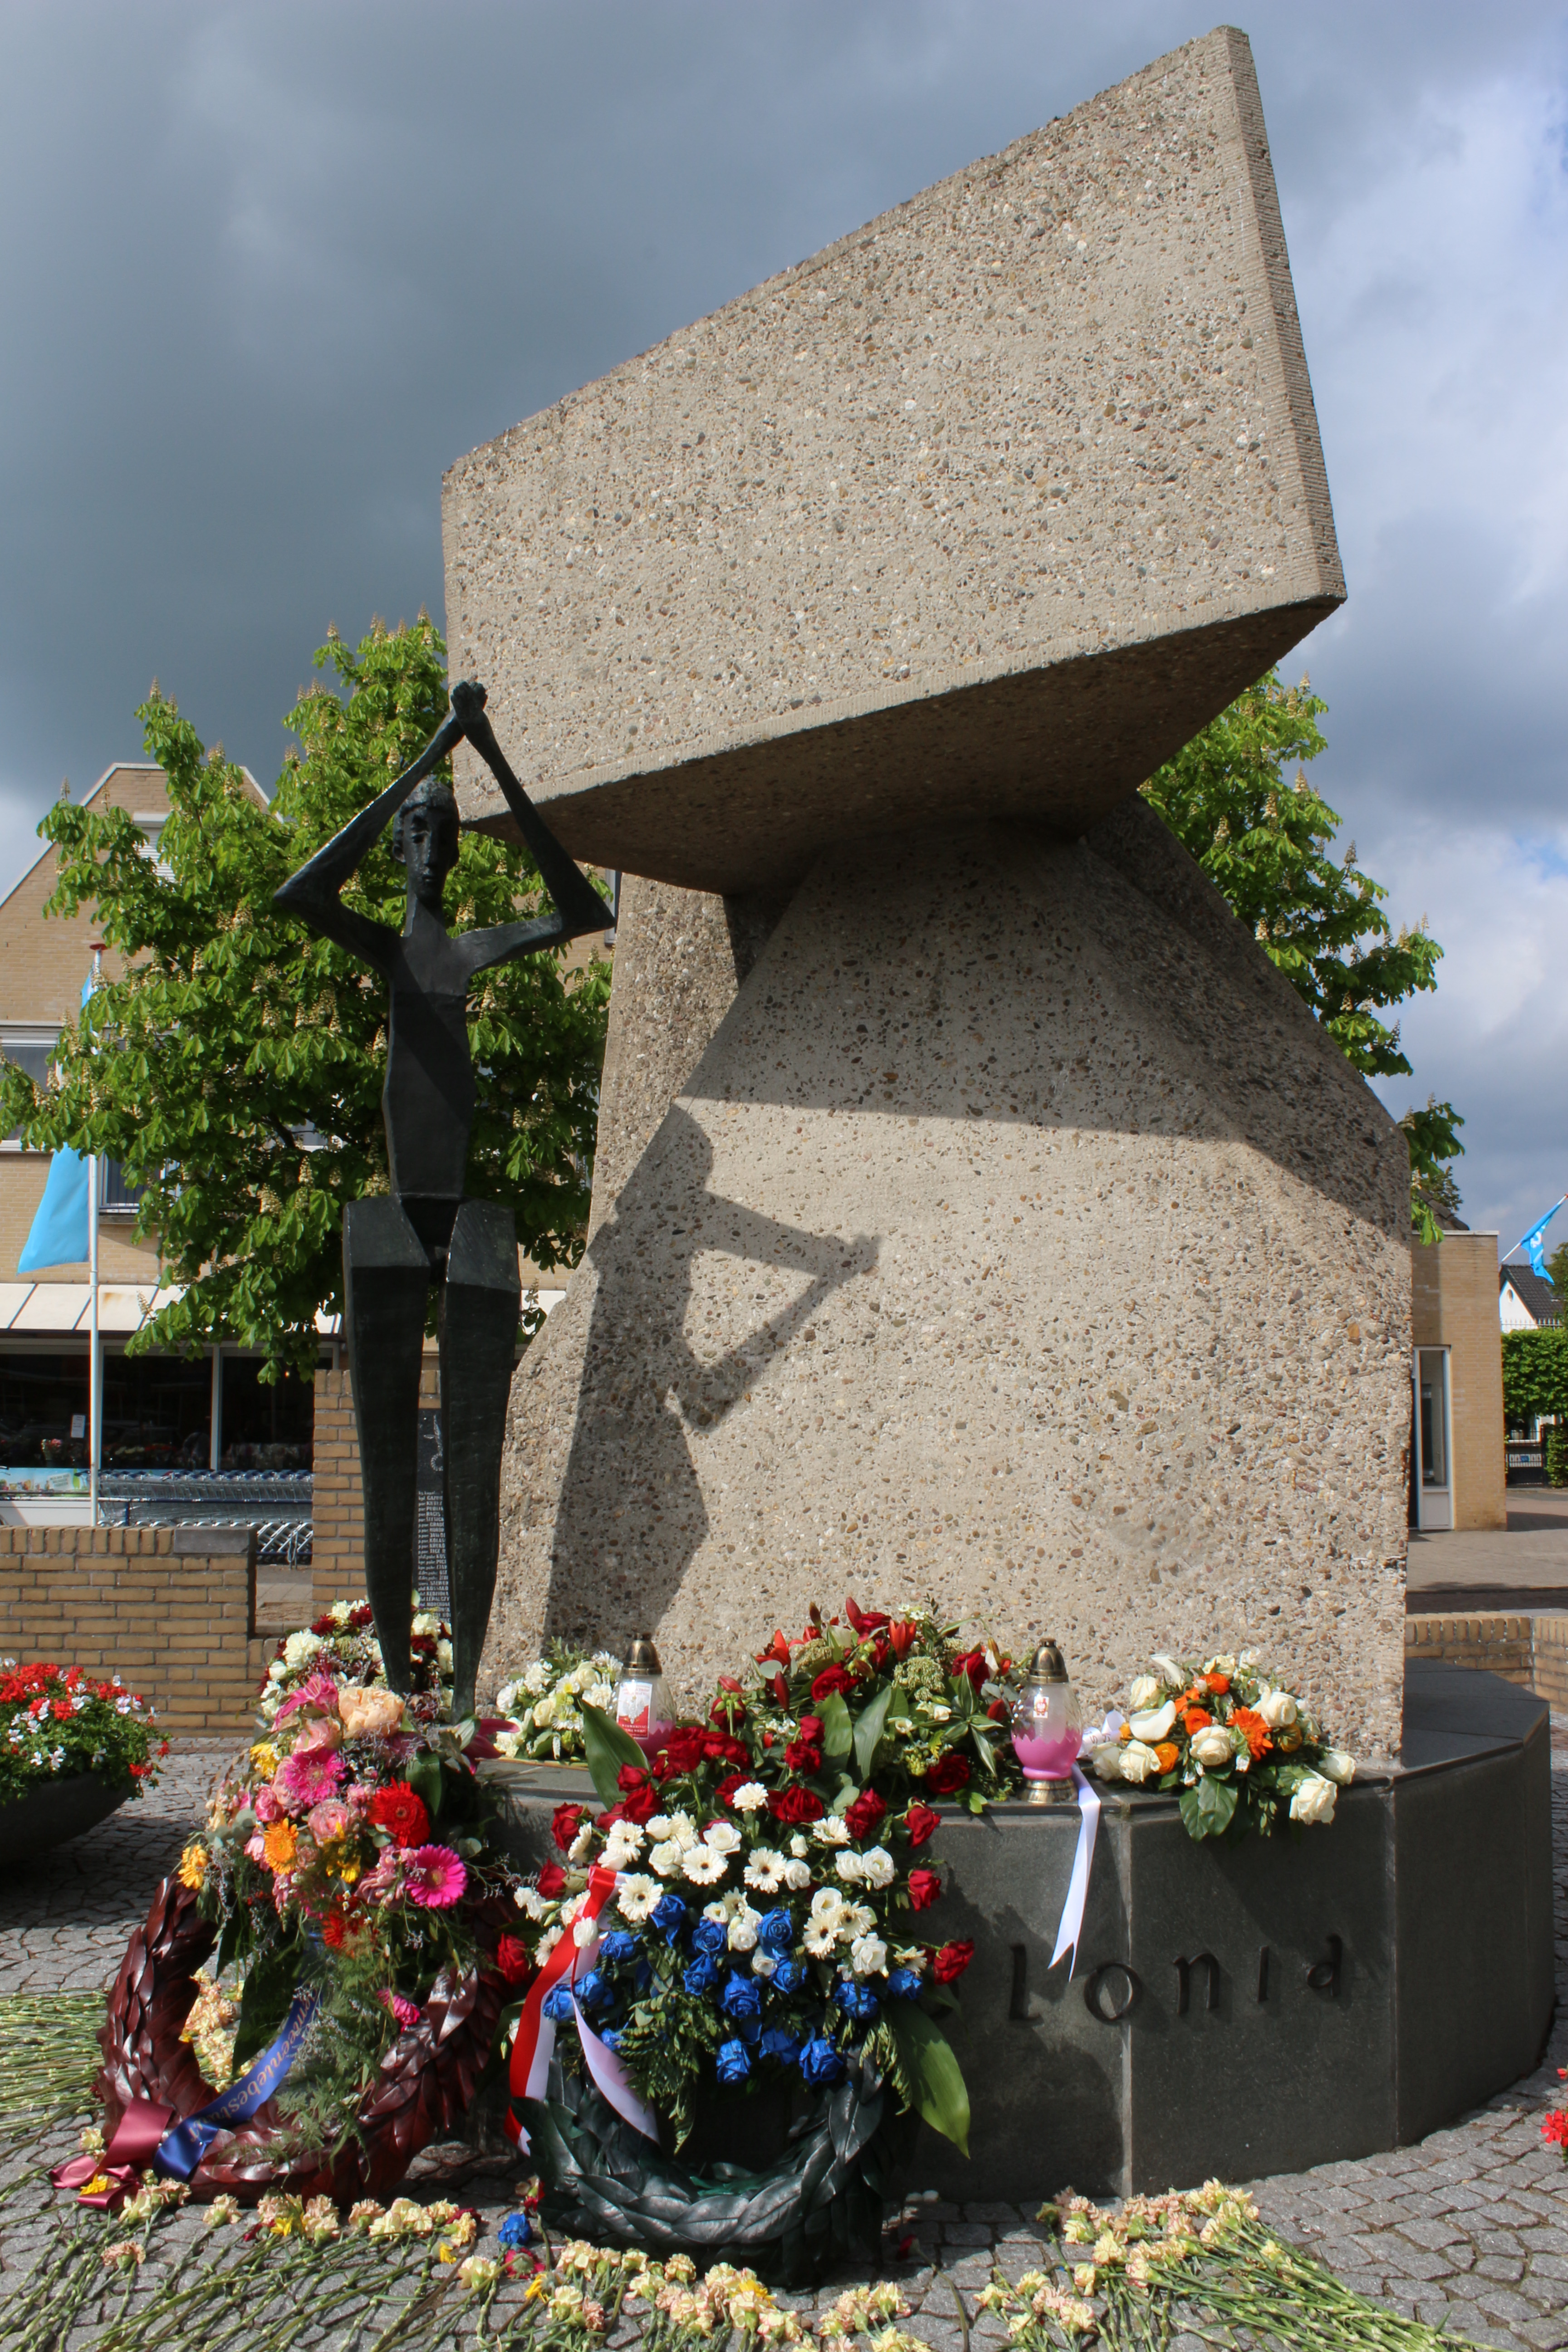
988	507
1019	1241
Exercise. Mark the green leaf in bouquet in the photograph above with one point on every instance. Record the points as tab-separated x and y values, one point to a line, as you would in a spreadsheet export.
928	2062
837	1730
869	1724
424	1776
608	1747
1207	1809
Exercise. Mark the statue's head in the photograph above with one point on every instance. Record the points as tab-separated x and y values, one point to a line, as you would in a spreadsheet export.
425	837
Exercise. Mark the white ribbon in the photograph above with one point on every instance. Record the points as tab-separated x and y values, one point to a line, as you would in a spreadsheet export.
611	2077
1071	1927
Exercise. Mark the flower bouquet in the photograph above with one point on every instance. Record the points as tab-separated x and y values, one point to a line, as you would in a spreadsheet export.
59	1722
1238	1750
739	1921
342	1643
349	1868
543	1703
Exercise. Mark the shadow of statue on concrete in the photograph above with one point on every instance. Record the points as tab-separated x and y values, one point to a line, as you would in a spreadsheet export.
632	1513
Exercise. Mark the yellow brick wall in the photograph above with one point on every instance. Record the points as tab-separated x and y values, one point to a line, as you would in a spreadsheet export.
337	1543
1530	1651
175	1624
1454	1303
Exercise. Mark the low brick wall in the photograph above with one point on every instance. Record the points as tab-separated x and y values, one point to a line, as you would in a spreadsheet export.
171	1609
1531	1650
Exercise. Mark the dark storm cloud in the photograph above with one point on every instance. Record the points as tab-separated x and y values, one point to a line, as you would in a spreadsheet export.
268	271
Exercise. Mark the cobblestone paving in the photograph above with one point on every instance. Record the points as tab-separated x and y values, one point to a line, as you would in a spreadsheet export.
65	1921
1468	2230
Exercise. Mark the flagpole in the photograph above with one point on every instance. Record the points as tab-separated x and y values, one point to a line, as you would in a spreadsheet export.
95	1368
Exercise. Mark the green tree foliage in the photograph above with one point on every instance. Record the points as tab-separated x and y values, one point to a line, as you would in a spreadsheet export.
1265	841
235	1038
1557	1268
1534	1375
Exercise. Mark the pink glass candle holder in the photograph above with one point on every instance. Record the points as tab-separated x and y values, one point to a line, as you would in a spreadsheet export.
1046	1728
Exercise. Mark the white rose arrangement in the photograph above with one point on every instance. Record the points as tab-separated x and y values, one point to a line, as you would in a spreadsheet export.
1236	1748
545	1704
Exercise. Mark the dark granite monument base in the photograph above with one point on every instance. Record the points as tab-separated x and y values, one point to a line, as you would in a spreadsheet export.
1247	2009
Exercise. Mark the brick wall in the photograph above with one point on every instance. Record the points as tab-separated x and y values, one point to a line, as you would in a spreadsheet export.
168	1609
1530	1651
1453	1303
338	1508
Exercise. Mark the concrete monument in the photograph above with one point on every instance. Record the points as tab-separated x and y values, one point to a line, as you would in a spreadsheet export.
977	1213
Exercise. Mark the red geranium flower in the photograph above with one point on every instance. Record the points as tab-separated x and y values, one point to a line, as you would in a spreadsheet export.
920	1823
400	1811
566	1823
513	1960
862	1818
925	1885
948	1773
831	1679
951	1960
552	1880
681	1752
796	1806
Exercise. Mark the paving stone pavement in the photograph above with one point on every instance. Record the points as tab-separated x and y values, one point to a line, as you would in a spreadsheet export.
1467	2230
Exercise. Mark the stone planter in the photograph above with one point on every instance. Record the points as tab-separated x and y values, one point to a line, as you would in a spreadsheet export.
32	1827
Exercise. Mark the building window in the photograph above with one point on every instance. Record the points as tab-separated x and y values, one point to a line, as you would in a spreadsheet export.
117	1197
31	1052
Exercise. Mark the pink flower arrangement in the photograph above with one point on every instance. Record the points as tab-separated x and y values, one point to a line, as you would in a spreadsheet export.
433	1876
319	1693
407	2013
304	1779
319	1731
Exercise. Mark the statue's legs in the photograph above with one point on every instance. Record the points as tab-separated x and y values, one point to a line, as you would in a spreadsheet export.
386	1278
480	1302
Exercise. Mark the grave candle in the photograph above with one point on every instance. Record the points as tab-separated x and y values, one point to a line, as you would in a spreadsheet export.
1048	1725
642	1697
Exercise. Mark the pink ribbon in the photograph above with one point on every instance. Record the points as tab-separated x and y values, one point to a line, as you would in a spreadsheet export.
120	2165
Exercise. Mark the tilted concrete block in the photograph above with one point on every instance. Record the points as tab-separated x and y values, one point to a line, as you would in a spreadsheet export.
985	509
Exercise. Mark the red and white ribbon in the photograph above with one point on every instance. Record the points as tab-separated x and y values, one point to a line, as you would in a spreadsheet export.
527	2076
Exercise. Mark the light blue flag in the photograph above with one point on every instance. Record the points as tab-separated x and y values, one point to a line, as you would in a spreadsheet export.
59	1234
1532	1243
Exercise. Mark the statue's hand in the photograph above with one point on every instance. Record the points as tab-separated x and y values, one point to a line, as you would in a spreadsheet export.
468	701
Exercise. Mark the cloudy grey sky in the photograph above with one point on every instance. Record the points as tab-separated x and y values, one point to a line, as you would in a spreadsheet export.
269	270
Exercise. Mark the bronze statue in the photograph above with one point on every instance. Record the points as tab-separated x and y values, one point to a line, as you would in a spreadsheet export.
395	1249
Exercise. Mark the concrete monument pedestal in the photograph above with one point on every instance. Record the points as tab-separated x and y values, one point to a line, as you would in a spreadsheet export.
1241	2010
